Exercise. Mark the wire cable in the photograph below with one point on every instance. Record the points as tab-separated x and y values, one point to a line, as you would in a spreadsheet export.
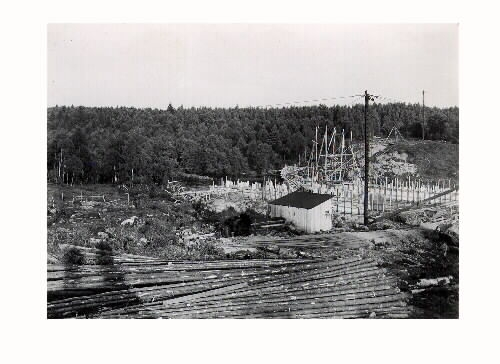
283	104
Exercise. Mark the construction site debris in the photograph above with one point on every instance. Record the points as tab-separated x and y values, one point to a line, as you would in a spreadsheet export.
441	281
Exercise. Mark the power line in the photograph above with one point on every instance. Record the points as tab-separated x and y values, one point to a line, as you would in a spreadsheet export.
290	103
393	100
357	100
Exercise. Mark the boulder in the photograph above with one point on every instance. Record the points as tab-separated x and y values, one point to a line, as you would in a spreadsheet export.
410	218
131	221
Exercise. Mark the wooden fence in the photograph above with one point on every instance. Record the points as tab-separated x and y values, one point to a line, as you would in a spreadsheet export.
385	195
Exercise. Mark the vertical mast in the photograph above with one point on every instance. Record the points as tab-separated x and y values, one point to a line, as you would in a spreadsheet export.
341	157
334	156
326	153
423	114
367	146
316	144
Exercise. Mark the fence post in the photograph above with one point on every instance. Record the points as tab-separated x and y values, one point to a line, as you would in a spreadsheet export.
397	187
385	188
343	195
439	190
360	201
377	194
390	198
351	201
413	191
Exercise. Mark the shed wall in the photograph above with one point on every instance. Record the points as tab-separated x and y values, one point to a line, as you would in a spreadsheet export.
312	220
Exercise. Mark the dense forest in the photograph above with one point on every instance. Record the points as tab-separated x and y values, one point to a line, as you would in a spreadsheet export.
104	144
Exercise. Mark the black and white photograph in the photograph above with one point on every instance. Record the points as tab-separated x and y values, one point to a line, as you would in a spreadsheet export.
252	171
249	182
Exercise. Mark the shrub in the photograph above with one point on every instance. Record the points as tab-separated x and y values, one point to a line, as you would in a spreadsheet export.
104	245
73	256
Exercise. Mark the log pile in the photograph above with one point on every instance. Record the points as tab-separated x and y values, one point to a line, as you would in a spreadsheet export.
272	288
344	240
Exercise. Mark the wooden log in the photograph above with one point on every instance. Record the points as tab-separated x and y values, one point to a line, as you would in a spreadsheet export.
391	306
286	305
170	291
320	287
285	297
318	268
274	285
313	306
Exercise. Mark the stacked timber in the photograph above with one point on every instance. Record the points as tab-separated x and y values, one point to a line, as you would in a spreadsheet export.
149	288
344	240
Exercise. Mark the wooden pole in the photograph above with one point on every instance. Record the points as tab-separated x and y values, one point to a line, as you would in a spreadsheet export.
343	194
351	202
423	115
418	193
385	187
390	198
367	149
438	189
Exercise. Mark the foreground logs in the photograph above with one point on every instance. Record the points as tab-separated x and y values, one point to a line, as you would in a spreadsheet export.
149	288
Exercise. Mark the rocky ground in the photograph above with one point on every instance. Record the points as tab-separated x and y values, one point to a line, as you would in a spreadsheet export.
420	246
425	160
148	225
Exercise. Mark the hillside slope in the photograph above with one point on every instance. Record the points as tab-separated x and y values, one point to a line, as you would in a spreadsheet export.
433	159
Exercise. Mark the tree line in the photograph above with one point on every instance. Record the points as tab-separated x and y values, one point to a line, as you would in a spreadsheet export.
121	144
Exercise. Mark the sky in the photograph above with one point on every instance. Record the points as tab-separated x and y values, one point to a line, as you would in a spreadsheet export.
224	65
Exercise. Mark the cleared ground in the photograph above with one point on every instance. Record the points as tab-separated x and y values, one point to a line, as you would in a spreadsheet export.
136	252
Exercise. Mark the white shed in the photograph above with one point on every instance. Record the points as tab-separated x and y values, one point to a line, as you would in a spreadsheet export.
308	211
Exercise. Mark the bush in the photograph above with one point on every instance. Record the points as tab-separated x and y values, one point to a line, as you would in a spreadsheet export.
73	256
104	245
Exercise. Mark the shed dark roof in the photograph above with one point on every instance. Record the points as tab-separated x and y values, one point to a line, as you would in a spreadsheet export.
301	200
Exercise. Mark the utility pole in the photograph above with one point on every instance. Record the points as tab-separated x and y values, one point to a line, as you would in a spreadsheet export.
368	97
367	157
423	114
